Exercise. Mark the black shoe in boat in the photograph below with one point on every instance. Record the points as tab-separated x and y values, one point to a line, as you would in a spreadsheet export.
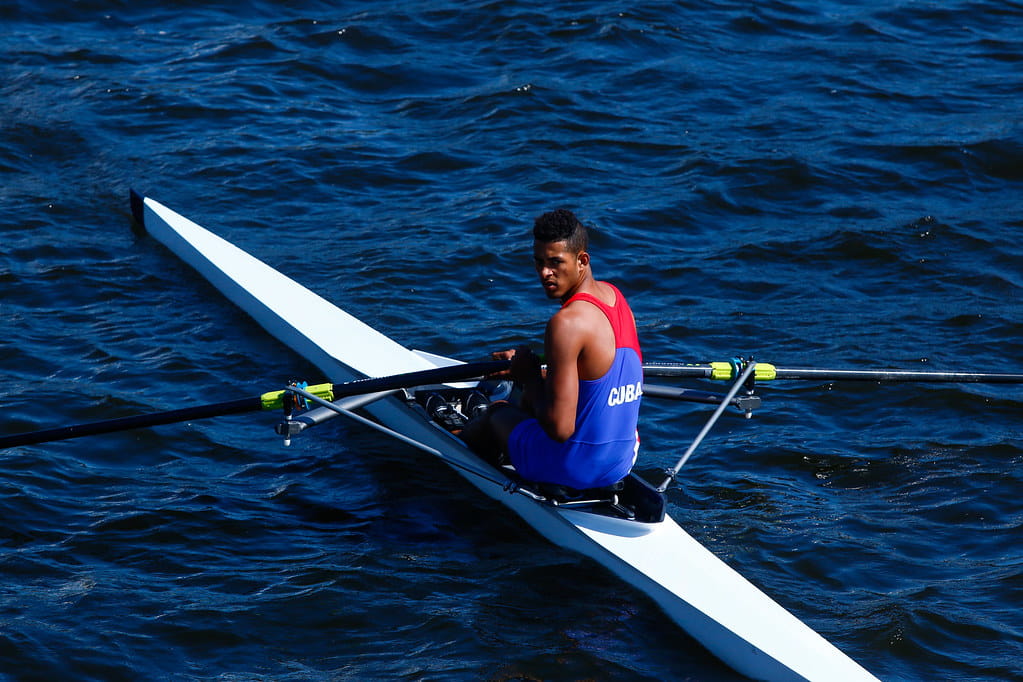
475	405
442	412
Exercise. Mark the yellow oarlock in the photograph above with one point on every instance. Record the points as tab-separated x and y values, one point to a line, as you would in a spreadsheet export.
724	371
274	400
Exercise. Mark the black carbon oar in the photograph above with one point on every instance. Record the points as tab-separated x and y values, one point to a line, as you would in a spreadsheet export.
745	403
268	401
726	371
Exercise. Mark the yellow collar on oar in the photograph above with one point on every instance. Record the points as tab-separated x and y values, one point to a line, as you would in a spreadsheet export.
274	400
725	371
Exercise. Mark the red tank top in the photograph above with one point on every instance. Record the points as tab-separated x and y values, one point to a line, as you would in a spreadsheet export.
619	315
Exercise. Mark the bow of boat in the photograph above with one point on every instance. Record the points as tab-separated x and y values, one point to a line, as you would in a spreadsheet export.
341	345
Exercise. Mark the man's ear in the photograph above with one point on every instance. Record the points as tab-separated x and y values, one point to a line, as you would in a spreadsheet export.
584	258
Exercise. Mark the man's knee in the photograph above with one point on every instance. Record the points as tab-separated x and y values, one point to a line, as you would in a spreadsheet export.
504	419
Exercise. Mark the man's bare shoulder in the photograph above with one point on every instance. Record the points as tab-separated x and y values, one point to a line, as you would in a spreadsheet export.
577	316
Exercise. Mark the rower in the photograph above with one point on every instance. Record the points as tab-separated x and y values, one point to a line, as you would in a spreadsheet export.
576	424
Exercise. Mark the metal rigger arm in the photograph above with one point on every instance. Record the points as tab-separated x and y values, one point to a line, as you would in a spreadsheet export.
345	407
746	379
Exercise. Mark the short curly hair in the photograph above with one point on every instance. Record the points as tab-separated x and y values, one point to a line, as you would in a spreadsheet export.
561	225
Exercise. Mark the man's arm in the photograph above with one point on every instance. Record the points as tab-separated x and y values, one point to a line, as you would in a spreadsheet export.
556	399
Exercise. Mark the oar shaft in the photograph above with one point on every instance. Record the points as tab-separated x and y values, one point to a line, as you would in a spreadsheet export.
724	371
437	375
136	422
267	401
896	375
677	369
718	371
682	394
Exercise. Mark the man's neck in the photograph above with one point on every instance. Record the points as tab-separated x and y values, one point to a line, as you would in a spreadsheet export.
586	285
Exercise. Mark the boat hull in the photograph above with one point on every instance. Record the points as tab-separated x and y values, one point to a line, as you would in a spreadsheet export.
727	614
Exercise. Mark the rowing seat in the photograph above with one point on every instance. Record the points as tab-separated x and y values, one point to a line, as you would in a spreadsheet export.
564	496
631	498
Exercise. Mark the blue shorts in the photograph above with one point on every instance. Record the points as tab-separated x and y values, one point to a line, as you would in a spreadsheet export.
538	457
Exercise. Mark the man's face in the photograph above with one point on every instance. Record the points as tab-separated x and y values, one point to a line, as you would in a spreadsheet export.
560	270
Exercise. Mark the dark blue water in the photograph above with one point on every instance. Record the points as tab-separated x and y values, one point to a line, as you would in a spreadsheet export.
816	184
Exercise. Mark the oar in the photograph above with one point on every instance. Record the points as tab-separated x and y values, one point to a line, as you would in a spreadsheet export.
746	403
725	371
273	400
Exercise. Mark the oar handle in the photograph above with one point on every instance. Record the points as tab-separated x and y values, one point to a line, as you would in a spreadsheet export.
437	375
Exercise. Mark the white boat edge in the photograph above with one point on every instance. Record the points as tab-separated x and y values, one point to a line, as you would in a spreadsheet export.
717	606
